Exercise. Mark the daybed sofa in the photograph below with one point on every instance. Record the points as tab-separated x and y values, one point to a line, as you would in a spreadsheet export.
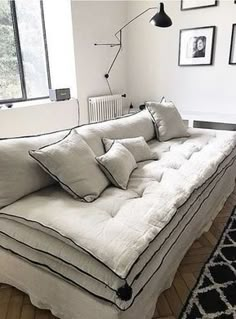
110	258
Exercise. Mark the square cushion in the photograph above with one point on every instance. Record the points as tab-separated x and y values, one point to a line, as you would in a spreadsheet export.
72	163
20	175
167	121
137	147
118	163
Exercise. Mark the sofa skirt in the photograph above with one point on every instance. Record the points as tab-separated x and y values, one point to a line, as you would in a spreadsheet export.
66	301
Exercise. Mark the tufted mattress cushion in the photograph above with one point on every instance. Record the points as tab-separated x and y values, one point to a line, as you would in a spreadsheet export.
120	239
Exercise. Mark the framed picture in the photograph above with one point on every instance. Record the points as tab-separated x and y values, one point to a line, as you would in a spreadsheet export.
197	4
232	55
196	46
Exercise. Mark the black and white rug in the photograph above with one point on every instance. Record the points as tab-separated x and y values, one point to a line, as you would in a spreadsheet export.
214	295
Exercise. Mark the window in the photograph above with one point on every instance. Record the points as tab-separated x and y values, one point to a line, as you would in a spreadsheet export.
24	68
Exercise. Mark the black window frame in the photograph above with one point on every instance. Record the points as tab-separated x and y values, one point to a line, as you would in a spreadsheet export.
24	97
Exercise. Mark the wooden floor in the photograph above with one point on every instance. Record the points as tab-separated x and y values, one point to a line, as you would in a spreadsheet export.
172	300
16	305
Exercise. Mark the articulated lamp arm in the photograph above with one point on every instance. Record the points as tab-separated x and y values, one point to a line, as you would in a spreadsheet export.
118	35
139	15
160	19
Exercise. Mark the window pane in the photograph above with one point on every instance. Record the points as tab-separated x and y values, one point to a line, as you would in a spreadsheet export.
32	47
10	86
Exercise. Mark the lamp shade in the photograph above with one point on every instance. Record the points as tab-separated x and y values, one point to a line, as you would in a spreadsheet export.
161	19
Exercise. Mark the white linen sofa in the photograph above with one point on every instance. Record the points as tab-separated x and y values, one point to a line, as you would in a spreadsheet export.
110	258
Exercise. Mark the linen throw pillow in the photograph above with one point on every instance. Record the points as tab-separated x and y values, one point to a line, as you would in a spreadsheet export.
136	145
118	163
167	121
20	175
72	163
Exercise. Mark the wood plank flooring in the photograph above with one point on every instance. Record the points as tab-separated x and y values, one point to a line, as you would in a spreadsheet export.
172	300
16	305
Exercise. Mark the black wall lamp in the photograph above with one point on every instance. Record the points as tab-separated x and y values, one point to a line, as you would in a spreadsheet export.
160	19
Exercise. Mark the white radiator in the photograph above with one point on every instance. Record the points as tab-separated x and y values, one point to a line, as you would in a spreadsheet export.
106	107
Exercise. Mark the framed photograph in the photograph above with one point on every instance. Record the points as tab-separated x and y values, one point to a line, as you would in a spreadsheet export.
197	4
196	46
232	55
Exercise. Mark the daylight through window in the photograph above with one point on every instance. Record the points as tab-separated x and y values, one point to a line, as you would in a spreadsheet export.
24	70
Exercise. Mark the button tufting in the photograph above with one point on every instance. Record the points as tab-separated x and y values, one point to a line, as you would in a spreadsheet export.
174	166
136	196
158	180
167	150
187	157
114	213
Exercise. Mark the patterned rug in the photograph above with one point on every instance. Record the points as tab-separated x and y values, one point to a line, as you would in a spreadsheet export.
214	295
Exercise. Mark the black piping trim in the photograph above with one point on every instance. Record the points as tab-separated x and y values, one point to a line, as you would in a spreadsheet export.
227	226
56	257
88	252
162	99
36	135
109	175
102	298
158	137
69	129
58	274
195	189
134	298
104	144
57	142
31	153
57	232
106	171
90	275
153	155
54	176
154	122
199	195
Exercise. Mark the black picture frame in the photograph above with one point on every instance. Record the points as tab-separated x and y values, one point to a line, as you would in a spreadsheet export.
212	3
190	55
232	50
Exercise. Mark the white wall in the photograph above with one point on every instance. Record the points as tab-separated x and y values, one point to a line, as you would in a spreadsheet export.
97	21
153	69
148	65
38	118
59	32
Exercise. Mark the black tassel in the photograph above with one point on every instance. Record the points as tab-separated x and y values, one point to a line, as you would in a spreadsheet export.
125	292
